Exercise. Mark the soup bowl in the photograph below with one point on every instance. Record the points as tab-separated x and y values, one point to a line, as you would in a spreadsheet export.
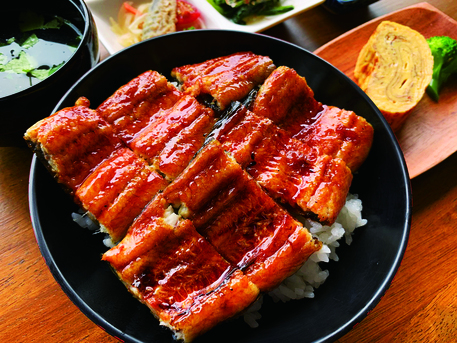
22	105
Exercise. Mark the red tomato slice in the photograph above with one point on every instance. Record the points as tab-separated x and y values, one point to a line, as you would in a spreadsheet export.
186	13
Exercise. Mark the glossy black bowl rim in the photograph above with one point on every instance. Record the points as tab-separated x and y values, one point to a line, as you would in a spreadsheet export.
87	17
114	331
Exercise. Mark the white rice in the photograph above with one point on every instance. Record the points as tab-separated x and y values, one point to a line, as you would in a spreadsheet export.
311	275
84	219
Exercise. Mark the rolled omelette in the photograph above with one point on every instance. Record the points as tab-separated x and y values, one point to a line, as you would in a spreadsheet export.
393	69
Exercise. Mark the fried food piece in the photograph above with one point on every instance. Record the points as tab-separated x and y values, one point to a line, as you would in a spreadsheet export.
330	130
225	79
117	191
186	284
394	68
71	143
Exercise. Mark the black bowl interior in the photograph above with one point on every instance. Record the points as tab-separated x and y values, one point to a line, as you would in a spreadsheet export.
22	109
356	283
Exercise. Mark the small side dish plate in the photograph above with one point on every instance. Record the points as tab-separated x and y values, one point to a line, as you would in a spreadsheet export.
103	10
356	282
428	135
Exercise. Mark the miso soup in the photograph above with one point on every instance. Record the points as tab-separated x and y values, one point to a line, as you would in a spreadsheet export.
33	47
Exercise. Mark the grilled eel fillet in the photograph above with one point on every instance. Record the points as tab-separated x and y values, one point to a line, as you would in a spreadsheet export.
175	234
204	248
215	201
226	78
329	143
239	219
168	266
102	175
288	101
290	170
158	122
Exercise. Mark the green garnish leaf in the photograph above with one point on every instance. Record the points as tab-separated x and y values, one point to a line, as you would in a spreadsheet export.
55	23
3	60
29	21
217	6
42	73
239	11
55	68
20	65
7	41
30	41
276	10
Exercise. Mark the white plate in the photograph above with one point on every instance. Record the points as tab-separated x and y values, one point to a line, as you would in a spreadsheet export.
102	10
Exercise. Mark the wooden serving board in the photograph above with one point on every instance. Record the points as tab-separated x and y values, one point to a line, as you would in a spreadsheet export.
429	135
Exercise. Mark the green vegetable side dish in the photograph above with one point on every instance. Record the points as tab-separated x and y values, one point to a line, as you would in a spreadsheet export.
444	51
239	11
34	48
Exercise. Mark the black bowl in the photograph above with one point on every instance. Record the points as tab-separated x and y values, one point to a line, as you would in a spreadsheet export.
22	109
356	283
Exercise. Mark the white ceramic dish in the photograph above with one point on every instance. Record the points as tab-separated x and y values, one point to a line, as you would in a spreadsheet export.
102	10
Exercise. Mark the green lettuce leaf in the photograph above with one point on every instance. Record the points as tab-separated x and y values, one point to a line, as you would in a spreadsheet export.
29	21
3	60
20	65
30	41
7	41
40	73
44	73
55	23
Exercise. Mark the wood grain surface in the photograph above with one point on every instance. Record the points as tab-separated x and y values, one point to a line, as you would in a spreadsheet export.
419	306
428	136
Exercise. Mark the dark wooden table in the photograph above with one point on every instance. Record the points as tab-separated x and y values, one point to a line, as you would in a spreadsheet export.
420	305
